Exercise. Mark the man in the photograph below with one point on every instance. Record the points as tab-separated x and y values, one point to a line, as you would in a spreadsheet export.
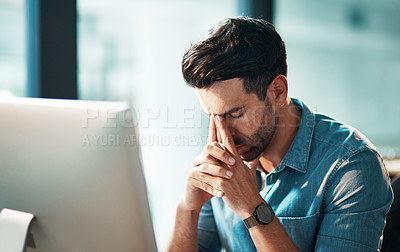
309	183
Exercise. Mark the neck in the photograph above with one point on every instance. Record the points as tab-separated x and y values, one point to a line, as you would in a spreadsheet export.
289	122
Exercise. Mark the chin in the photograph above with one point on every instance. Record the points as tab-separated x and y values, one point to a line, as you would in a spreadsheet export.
251	154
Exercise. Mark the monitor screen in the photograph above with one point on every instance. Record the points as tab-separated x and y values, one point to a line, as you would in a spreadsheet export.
76	166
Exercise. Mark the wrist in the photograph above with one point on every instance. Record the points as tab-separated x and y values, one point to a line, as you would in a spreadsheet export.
263	214
250	208
183	207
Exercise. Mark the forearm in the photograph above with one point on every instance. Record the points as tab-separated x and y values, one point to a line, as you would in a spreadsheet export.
272	237
184	235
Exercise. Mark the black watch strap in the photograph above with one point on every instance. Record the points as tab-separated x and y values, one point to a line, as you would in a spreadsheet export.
251	222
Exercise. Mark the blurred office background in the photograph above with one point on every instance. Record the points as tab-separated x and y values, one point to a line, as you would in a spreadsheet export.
343	56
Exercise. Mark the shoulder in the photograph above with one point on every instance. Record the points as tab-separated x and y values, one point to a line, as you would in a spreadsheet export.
330	132
355	171
357	178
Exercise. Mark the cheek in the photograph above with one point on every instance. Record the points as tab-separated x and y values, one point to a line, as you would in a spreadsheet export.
256	117
237	124
248	120
242	127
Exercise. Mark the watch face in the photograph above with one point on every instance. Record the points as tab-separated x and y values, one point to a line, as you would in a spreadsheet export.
264	213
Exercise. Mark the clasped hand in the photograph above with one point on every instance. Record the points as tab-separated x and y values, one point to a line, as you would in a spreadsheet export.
221	172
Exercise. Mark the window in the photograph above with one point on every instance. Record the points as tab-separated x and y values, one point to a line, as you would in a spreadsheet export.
132	51
12	48
344	60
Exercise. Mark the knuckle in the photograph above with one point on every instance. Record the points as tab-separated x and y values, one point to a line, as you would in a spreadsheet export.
204	166
205	186
226	155
202	176
214	144
208	147
207	156
207	168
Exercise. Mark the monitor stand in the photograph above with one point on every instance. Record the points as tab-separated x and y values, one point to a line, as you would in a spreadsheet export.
14	228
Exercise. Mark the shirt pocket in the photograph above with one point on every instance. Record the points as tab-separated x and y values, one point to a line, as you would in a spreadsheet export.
302	230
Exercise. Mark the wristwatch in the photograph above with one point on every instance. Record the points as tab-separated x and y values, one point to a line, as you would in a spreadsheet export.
262	215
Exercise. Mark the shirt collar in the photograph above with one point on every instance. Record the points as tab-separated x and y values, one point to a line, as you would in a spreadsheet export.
297	156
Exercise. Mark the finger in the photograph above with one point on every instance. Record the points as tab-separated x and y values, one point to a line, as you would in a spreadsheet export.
212	153
214	181
253	164
205	187
219	138
211	169
204	158
212	134
226	136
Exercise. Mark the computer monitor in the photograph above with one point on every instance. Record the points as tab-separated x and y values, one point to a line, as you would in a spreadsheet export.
76	166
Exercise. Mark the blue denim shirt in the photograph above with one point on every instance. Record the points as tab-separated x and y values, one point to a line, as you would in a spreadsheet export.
331	192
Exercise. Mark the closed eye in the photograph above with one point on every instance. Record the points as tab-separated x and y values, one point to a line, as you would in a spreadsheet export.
236	114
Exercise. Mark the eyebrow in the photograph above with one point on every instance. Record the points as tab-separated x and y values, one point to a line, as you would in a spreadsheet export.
232	111
227	112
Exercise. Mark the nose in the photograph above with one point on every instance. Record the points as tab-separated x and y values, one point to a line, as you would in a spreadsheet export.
232	130
233	134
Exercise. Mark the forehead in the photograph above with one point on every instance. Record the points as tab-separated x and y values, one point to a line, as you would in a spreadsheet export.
225	95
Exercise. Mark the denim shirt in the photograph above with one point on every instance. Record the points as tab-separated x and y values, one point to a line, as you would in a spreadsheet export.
331	192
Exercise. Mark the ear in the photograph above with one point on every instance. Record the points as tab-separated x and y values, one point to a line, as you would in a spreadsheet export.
277	91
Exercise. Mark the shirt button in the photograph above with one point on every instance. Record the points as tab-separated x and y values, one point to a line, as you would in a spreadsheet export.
270	179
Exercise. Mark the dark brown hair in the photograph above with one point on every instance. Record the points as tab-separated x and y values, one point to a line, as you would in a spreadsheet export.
240	47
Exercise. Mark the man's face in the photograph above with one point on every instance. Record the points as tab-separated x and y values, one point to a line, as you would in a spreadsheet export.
251	122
